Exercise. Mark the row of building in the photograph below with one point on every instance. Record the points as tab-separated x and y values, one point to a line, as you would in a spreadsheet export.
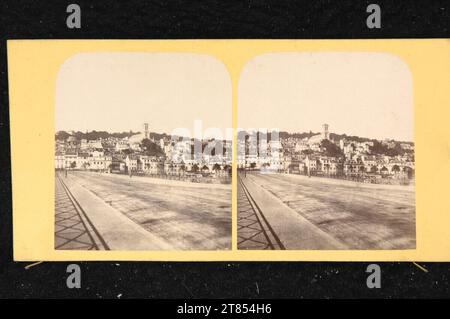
289	155
128	155
306	156
98	161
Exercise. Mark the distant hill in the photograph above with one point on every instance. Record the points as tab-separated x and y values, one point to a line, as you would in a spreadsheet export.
333	136
95	135
91	135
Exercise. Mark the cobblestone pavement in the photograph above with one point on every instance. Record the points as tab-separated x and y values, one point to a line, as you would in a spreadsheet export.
186	216
360	216
71	232
253	233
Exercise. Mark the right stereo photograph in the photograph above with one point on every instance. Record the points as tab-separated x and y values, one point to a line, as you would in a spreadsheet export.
325	152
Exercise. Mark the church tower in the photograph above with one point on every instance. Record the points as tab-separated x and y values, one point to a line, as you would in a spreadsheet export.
146	133
325	133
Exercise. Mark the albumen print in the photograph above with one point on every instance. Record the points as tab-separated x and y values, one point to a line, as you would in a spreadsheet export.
326	152
137	165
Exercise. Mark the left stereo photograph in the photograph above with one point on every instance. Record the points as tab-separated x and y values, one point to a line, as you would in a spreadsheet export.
142	157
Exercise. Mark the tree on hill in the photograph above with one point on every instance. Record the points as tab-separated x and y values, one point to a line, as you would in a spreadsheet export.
331	149
150	148
92	135
283	134
61	135
380	148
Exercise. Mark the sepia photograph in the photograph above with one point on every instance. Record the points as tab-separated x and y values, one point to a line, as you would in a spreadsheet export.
142	161
326	152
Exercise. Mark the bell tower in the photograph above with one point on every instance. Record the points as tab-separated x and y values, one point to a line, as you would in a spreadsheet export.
325	133
146	133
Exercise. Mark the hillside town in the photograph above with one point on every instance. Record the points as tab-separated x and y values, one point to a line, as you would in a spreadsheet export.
327	154
144	153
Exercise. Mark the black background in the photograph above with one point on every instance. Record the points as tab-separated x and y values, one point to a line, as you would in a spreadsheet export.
209	20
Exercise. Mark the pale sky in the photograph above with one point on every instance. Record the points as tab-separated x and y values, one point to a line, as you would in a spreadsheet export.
365	94
119	92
